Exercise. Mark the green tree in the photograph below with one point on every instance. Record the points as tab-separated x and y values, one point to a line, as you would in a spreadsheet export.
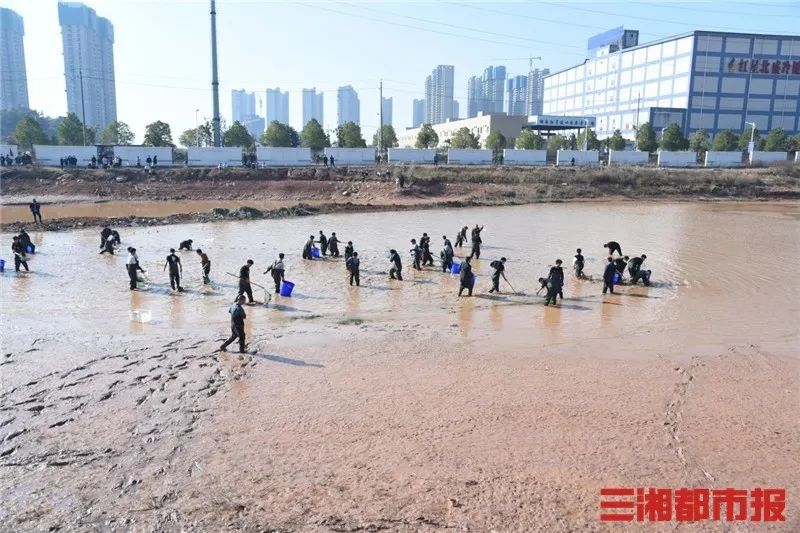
617	141
280	135
777	141
529	140
389	137
700	142
158	133
314	137
744	138
348	135
70	131
463	138
117	133
496	142
427	137
9	119
793	145
558	142
725	141
199	136
594	143
673	140
646	138
29	132
237	135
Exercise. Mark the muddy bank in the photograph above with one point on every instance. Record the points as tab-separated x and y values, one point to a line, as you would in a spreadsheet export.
264	193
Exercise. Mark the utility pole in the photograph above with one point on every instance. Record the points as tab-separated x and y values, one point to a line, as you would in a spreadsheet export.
380	127
214	77
83	108
636	132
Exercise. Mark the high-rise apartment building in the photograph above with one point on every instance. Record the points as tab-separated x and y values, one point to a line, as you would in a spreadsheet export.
13	76
418	116
536	90
474	96
312	106
243	105
439	95
386	111
349	107
494	85
454	116
277	106
88	64
518	95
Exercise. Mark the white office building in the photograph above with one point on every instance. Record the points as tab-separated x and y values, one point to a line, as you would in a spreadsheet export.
13	76
349	106
88	42
277	106
312	106
700	80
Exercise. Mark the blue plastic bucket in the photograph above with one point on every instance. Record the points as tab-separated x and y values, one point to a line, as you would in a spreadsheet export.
617	278
29	249
2	265
474	279
286	288
455	268
315	252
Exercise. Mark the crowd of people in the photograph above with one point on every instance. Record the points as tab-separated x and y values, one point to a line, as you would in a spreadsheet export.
8	160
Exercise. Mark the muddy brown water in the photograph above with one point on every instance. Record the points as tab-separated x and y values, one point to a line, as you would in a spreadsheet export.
722	272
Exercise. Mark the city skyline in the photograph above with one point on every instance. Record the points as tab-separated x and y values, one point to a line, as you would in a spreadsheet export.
150	88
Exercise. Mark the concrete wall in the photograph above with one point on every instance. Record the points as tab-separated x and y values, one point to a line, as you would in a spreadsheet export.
723	159
6	148
677	159
768	157
627	157
411	155
128	154
211	156
283	157
50	155
469	156
352	156
524	157
582	158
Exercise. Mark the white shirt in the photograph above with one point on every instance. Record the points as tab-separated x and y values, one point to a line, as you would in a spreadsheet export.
132	259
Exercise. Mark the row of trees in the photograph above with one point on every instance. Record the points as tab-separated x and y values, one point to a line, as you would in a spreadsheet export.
69	131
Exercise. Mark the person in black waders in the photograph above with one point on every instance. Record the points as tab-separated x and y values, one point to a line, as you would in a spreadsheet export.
175	270
108	247
348	250
323	243
396	272
499	268
353	264
309	245
186	245
237	324
578	264
333	245
277	269
608	275
446	254
476	242
425	246
416	255
555	283
244	281
133	266
19	255
466	279
104	234
613	246
205	263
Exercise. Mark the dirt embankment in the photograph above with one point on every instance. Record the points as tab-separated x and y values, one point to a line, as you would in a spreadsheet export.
312	190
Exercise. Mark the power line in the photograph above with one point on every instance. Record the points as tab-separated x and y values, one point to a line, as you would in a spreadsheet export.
712	11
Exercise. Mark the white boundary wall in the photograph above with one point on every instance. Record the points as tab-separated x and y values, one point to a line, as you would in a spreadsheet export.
627	157
50	155
677	159
797	156
524	157
5	148
351	156
211	156
412	155
723	159
582	158
128	154
469	156
768	157
283	156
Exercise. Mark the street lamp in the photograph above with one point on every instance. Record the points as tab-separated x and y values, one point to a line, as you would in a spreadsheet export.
751	146
196	128
586	135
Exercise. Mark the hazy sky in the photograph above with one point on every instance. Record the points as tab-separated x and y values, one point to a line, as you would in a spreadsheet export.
163	65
